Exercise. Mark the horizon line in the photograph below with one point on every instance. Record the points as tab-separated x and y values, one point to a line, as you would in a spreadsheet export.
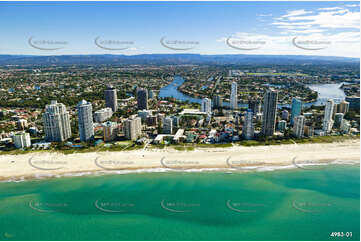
45	55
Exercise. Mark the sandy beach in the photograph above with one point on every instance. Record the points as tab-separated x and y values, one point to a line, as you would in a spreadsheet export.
49	164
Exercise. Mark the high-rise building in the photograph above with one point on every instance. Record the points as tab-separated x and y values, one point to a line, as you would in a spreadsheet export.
296	109
217	101
327	120
151	94
345	126
343	107
354	102
142	98
168	126
233	98
338	120
175	121
269	112
248	127
111	100
285	114
143	114
151	120
298	127
110	131
254	105
132	128
56	122
206	106
160	117
22	140
334	110
102	115
282	125
22	124
85	120
309	131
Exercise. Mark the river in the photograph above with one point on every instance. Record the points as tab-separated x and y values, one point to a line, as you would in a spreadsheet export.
325	92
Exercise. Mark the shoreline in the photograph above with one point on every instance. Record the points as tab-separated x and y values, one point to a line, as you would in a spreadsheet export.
233	159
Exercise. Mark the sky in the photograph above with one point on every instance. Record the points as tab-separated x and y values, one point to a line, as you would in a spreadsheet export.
130	28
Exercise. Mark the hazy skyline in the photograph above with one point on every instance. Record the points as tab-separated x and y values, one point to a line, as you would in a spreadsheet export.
131	28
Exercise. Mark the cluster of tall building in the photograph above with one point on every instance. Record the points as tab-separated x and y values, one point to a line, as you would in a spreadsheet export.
57	120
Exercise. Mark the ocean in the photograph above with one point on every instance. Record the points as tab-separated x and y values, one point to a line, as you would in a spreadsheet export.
322	203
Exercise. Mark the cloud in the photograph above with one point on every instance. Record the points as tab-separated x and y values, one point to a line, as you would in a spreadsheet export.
329	9
296	13
332	18
352	5
306	31
264	15
339	27
341	44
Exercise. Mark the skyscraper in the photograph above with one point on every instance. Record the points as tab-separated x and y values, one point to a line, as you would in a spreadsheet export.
327	120
143	114
253	104
354	102
282	125
343	107
110	131
56	122
22	140
111	98
132	128
206	106
296	109
85	120
168	126
269	112
285	114
233	98
142	98
248	127
338	119
102	115
151	94
345	126
298	127
217	101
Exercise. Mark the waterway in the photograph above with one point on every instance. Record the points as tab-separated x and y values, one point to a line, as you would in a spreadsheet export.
325	92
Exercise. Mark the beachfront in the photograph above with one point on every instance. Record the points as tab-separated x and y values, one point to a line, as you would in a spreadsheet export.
47	164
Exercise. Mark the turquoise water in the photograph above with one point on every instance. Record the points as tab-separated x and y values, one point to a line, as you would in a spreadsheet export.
288	205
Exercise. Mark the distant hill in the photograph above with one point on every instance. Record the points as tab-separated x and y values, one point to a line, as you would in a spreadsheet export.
167	59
